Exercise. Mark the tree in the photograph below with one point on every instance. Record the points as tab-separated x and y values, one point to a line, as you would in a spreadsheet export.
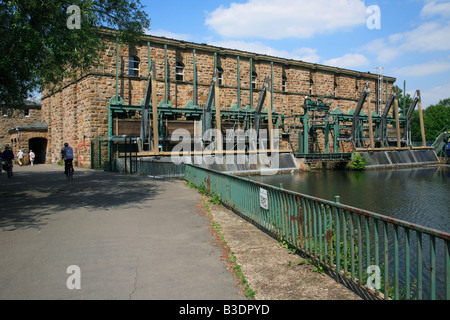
435	118
37	46
403	98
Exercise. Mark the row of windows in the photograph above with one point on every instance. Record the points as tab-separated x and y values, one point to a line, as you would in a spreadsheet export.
133	71
179	75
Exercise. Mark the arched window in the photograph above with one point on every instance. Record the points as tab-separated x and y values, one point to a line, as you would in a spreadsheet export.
133	67
179	71
335	87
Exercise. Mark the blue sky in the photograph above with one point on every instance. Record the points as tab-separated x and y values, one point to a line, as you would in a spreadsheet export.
412	42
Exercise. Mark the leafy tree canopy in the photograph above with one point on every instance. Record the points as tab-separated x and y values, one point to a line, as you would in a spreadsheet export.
435	118
403	99
37	47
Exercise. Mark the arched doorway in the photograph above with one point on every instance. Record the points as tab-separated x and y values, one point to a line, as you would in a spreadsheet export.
39	147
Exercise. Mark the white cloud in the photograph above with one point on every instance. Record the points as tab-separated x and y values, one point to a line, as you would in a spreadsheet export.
435	94
350	60
430	36
252	46
304	54
307	54
424	69
436	8
168	34
278	19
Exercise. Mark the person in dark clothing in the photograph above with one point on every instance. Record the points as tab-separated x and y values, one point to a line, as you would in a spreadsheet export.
8	157
67	155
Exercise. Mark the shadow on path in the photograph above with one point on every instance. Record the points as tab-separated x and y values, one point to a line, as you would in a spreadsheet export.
35	192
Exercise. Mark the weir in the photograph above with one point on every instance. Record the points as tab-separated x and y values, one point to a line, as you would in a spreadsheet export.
263	164
399	158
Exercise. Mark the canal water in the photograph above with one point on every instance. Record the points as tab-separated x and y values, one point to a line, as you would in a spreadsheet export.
419	195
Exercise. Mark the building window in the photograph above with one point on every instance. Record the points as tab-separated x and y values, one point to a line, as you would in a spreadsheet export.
179	71
220	75
311	83
335	86
283	84
133	66
254	75
26	112
4	111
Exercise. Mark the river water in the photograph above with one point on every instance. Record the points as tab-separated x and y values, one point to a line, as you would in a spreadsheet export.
418	195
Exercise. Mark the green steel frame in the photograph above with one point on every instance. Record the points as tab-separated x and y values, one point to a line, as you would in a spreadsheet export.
191	109
334	123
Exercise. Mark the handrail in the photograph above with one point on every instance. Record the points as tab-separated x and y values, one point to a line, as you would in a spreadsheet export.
347	240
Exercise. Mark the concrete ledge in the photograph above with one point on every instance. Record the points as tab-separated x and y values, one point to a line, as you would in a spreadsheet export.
272	270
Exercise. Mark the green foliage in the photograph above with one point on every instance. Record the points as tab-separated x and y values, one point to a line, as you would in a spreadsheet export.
284	243
203	190
435	118
37	47
403	98
215	199
190	185
358	162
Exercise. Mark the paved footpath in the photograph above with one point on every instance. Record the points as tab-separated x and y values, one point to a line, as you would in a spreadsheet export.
131	238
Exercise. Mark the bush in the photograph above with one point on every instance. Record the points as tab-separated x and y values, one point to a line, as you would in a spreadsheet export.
358	162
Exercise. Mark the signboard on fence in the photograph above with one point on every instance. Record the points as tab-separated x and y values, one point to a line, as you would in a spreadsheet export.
263	199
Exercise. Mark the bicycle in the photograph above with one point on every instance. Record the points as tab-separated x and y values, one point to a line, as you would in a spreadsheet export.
70	171
7	168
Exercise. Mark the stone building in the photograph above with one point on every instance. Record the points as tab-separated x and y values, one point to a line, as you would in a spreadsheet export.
77	112
22	129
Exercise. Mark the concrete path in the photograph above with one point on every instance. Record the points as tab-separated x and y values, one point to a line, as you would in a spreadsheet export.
131	238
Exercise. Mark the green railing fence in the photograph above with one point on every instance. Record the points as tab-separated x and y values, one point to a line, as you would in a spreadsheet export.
397	259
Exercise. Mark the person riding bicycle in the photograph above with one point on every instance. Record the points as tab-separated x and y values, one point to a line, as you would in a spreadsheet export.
67	155
8	157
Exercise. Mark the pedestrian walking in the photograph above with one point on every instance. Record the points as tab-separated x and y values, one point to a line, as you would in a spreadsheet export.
20	157
32	156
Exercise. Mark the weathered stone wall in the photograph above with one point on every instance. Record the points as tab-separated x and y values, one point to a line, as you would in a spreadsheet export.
77	112
15	118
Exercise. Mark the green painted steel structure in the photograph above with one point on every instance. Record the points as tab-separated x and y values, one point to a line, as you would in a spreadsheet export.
345	239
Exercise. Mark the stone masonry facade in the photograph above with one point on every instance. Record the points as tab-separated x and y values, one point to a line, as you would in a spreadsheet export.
77	112
12	118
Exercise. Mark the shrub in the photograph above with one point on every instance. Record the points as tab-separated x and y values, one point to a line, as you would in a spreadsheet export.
358	161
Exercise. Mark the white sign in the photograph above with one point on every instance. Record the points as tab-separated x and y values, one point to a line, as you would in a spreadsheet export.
263	199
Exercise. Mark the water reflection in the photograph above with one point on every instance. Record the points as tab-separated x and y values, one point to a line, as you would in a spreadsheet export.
417	195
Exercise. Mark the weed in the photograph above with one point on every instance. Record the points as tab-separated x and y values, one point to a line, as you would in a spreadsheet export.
249	292
215	199
202	189
190	185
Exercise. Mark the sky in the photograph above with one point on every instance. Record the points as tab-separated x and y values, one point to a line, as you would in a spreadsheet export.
408	39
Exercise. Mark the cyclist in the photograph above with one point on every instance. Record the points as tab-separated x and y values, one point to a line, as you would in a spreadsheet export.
67	155
8	157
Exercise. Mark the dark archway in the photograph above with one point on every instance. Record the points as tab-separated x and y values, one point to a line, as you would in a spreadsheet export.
39	147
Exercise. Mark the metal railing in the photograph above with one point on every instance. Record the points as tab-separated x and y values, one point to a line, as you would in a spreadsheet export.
389	258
